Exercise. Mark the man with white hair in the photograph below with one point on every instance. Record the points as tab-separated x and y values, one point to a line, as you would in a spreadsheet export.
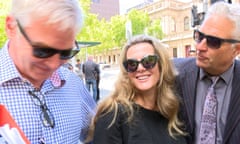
49	103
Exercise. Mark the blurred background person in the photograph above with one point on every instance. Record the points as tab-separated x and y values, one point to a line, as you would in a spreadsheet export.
192	53
91	72
79	68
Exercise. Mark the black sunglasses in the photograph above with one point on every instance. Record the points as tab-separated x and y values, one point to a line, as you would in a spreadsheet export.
45	116
45	52
147	62
212	41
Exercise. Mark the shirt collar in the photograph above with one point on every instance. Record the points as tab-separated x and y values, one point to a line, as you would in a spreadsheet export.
57	80
226	76
8	70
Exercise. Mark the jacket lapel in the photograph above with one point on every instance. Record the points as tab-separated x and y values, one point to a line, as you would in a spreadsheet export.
233	117
189	85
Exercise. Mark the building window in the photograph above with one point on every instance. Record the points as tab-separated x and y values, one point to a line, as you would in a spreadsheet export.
173	24
168	25
175	52
186	23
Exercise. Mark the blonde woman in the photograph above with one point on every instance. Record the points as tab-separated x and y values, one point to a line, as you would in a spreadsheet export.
143	107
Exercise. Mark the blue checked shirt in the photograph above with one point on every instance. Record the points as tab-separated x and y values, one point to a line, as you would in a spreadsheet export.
65	95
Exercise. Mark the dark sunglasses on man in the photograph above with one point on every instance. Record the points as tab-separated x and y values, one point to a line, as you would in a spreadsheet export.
46	116
147	62
212	41
45	52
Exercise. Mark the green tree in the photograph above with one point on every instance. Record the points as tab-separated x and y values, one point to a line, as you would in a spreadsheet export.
4	8
3	36
111	33
85	4
140	21
155	29
117	25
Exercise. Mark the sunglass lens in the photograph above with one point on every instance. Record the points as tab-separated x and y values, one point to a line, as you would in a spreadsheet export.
67	54
131	65
200	36
213	42
149	61
47	118
43	52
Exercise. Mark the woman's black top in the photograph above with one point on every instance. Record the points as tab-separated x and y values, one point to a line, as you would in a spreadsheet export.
148	127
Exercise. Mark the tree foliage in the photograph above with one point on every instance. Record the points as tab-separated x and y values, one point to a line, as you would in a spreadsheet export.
154	29
4	8
110	34
117	25
3	36
140	21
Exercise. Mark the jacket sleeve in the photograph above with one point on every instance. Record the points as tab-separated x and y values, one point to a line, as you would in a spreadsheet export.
97	69
83	68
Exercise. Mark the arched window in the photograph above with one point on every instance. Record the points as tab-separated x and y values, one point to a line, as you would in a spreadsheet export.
168	24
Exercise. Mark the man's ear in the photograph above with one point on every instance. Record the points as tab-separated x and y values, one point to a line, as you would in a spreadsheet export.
237	49
10	26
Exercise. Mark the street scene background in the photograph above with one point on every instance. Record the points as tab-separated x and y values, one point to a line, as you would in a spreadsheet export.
108	77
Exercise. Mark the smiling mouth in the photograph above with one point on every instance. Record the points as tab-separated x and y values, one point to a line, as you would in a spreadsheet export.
143	77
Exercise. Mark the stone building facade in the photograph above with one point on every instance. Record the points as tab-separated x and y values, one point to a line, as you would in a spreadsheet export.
175	20
176	24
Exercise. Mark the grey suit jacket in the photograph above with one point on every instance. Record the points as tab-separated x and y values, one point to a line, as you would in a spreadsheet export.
186	87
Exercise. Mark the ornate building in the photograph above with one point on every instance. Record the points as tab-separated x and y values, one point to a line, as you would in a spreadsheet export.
175	20
177	25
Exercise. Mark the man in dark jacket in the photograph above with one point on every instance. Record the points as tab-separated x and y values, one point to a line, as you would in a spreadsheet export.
91	71
212	118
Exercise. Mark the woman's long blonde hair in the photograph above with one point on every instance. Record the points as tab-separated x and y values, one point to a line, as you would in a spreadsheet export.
124	92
